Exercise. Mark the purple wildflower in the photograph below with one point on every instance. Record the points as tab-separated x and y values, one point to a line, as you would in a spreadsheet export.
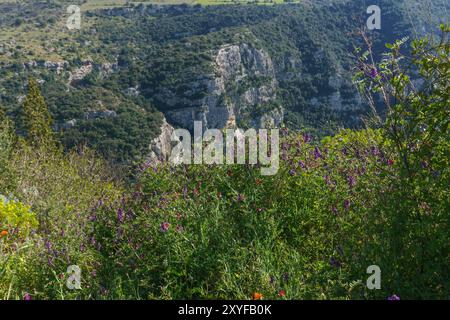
346	204
317	153
375	151
351	181
394	298
120	215
164	227
130	214
27	296
373	73
48	245
307	138
335	211
302	164
334	262
240	198
292	172
362	170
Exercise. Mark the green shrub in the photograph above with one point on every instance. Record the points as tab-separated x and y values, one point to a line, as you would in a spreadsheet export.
16	216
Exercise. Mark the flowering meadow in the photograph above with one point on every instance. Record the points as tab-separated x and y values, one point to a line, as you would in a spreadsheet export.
337	205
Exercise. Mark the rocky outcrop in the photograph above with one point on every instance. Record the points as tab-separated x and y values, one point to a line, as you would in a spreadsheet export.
107	68
81	72
243	83
59	66
67	125
132	91
161	146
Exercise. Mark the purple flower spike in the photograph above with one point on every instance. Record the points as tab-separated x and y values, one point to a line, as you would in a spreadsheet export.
27	296
120	215
351	181
48	245
373	73
347	204
317	153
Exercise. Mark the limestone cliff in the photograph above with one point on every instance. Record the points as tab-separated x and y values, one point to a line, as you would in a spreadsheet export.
241	92
161	146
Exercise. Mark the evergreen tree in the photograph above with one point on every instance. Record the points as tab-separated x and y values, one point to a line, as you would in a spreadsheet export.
2	115
6	125
38	121
7	139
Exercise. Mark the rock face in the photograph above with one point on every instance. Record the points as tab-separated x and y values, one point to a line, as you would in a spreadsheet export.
81	72
59	66
241	92
105	69
161	146
132	91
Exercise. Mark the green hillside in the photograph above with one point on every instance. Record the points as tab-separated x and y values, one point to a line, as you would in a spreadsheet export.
161	49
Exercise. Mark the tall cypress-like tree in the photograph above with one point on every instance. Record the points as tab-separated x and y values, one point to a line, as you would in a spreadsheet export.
6	125
7	139
38	120
2	114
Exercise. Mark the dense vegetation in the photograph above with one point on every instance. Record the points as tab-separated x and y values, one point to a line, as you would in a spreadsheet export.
161	50
376	196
